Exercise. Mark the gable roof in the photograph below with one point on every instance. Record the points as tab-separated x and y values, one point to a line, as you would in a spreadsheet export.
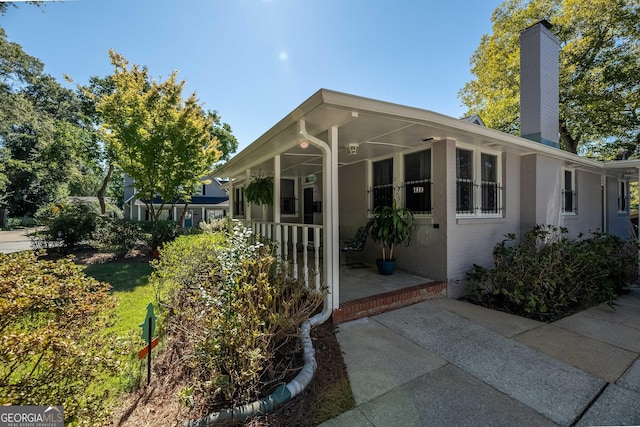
475	119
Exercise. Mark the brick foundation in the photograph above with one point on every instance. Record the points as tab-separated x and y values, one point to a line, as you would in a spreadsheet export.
376	304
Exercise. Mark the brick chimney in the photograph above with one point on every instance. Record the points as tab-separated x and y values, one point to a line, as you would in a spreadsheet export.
539	84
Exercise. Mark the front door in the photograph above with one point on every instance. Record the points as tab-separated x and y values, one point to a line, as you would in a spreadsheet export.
188	219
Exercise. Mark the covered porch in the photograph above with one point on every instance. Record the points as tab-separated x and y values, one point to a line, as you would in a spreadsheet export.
320	158
362	291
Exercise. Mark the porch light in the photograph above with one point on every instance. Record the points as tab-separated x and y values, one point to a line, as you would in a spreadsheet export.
304	144
352	148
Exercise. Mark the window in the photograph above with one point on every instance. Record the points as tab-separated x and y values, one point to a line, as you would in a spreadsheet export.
417	185
464	182
238	201
287	197
198	190
478	189
568	192
214	214
382	183
623	202
489	183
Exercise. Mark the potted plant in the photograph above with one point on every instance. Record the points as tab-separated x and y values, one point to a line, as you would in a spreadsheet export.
260	191
389	226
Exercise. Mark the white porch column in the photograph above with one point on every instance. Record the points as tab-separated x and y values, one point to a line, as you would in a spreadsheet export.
247	206
232	198
332	225
139	213
175	213
276	206
203	212
276	189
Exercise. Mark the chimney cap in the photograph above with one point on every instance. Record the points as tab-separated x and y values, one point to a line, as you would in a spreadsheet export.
544	22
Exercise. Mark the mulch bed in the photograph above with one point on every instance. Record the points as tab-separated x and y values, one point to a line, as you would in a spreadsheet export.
328	394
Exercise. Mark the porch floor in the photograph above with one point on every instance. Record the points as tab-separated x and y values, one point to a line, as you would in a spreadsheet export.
364	292
356	283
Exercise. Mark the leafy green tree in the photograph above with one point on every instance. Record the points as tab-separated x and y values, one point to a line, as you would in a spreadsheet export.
599	70
47	150
164	142
227	142
90	95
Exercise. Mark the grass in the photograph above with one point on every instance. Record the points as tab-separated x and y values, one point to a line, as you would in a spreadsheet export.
129	283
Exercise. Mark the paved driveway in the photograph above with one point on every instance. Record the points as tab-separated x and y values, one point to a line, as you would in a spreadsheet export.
446	362
15	240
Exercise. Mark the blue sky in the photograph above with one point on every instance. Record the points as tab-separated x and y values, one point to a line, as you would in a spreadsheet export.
256	60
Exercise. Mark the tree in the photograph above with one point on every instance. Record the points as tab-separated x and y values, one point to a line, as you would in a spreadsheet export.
164	142
47	150
227	142
90	95
599	70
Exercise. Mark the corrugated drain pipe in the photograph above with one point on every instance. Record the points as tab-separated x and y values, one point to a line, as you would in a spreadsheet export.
297	385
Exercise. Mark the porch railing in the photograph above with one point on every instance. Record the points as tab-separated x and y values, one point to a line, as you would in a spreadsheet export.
294	244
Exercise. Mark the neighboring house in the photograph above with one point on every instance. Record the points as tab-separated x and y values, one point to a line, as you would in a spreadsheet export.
211	201
336	157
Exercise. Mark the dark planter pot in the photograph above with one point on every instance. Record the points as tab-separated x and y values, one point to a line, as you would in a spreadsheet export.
386	267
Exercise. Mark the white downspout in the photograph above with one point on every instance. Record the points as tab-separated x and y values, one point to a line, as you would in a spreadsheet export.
328	194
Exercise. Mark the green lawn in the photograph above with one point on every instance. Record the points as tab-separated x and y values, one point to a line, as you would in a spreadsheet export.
129	283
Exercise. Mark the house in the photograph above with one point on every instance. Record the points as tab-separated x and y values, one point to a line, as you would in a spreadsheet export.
336	157
210	201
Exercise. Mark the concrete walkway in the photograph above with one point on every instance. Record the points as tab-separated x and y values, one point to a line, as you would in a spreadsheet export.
446	362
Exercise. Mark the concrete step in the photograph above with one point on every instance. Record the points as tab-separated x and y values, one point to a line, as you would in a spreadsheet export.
381	303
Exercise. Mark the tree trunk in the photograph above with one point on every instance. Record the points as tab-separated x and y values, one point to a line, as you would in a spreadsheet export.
103	190
184	213
570	143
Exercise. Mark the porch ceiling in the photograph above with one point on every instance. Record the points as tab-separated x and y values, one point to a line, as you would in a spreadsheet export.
379	129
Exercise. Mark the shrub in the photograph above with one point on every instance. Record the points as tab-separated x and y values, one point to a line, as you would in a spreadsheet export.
70	224
120	236
547	276
23	221
185	263
216	225
52	340
160	232
234	314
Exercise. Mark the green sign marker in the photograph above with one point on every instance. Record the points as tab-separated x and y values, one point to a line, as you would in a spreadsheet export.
149	324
